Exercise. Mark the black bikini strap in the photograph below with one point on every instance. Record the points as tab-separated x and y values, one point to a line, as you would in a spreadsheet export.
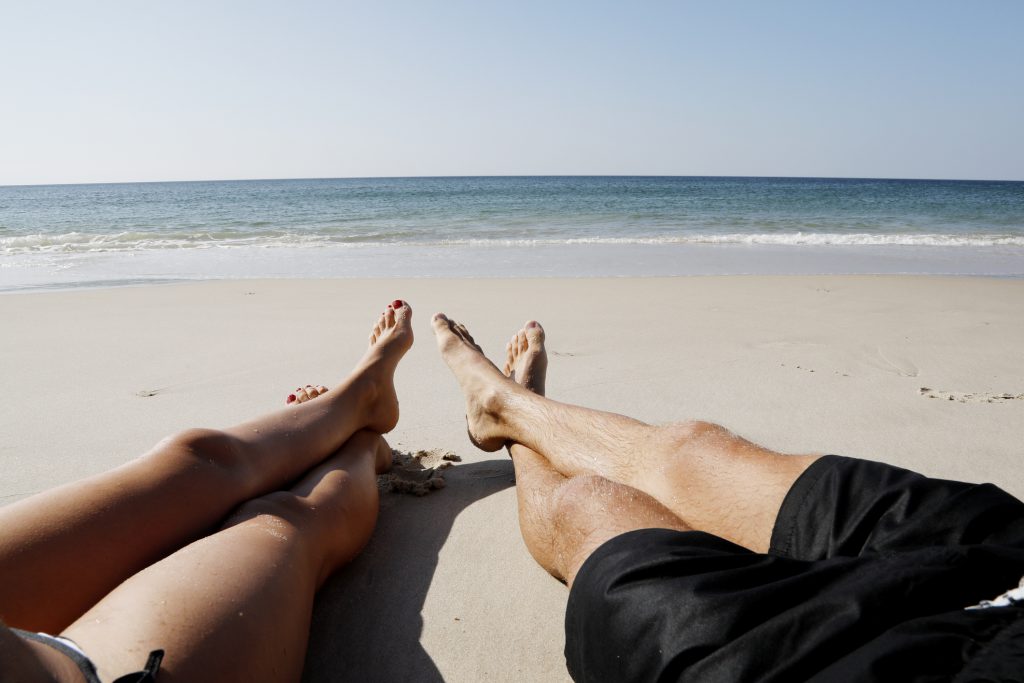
148	674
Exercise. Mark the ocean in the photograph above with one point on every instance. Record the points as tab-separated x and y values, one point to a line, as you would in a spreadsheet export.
60	236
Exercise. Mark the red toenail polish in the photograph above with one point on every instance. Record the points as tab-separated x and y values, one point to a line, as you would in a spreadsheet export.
397	303
533	323
291	397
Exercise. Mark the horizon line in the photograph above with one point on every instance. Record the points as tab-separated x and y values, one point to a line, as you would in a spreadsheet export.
514	175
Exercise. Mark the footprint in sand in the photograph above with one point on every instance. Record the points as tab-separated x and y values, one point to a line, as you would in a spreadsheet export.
806	369
964	397
416	473
890	362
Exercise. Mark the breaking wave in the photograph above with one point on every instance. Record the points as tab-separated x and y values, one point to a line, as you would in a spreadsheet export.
82	243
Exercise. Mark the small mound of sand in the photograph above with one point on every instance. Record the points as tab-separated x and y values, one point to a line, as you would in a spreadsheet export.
967	397
416	473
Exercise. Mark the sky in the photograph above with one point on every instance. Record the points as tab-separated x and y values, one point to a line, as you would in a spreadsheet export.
129	91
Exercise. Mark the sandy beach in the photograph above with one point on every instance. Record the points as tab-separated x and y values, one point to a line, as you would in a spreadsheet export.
922	372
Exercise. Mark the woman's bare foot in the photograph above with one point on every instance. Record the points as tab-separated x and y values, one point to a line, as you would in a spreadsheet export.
373	379
390	324
526	360
390	338
307	393
486	389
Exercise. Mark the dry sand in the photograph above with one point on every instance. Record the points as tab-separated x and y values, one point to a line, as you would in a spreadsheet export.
923	372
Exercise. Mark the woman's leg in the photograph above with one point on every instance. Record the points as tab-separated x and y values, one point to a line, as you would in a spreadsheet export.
236	605
64	549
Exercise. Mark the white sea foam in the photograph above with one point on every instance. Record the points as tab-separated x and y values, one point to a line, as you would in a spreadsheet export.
863	239
78	243
81	243
781	239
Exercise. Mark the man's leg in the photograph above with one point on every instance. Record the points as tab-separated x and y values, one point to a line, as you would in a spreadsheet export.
64	549
564	519
236	605
706	476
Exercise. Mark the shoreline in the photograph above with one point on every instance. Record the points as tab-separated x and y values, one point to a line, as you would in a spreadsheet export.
56	288
797	363
51	272
146	284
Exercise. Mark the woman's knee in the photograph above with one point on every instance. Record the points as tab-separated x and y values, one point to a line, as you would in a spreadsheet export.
330	526
202	449
276	509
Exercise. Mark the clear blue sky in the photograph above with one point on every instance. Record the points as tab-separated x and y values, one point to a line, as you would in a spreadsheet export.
133	91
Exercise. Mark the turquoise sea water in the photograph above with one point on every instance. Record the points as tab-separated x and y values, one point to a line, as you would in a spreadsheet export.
73	235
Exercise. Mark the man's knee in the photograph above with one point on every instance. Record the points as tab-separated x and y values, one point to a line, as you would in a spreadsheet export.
587	511
590	510
689	432
576	498
589	502
697	436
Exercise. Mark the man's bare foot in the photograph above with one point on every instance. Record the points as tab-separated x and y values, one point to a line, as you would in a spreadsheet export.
307	393
486	389
526	360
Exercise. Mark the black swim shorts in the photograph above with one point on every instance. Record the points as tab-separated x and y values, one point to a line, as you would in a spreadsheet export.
868	576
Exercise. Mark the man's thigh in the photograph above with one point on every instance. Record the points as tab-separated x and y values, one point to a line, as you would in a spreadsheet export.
667	605
847	507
